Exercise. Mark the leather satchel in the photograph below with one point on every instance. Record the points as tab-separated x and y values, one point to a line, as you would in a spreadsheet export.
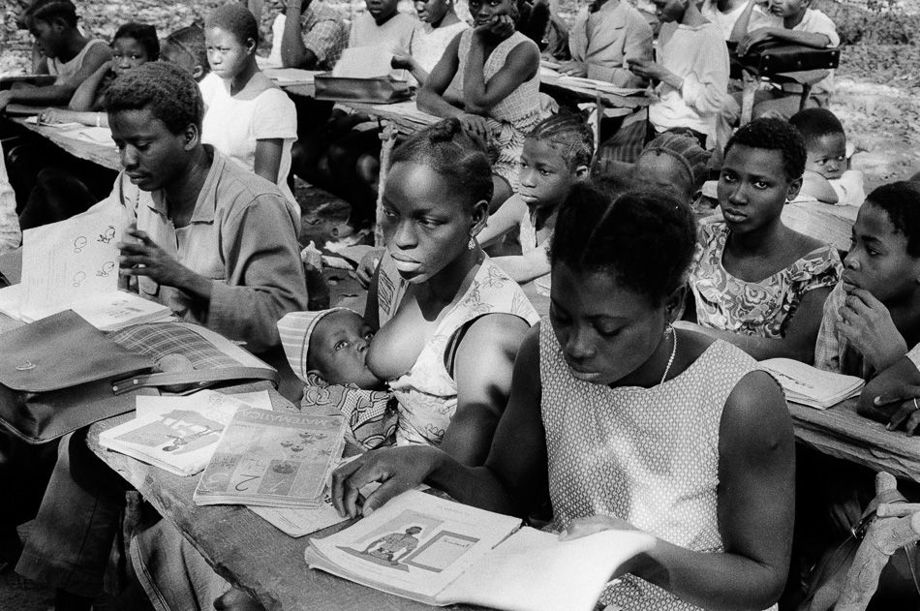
56	376
774	57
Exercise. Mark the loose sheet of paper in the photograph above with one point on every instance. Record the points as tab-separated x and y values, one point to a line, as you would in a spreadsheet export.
364	62
71	260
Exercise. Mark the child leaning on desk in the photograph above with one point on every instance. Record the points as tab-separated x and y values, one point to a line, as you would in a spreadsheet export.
828	178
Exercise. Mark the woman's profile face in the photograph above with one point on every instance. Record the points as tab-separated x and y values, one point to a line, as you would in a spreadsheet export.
606	331
425	224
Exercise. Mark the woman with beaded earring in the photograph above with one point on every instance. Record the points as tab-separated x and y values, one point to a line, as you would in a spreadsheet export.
757	283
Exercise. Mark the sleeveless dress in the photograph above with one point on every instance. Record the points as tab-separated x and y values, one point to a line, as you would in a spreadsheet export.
511	119
64	70
647	456
753	308
427	393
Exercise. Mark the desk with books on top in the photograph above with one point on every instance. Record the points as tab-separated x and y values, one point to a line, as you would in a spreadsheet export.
93	144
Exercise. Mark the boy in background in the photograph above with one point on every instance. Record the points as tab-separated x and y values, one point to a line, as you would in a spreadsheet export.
67	54
827	176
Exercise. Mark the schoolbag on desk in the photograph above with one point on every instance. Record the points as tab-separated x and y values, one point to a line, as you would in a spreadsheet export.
60	373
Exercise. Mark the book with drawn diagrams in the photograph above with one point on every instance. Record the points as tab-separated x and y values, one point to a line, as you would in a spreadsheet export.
272	459
179	434
441	552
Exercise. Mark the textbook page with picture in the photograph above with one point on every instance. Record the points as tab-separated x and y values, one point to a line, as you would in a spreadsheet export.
272	459
440	552
812	386
179	434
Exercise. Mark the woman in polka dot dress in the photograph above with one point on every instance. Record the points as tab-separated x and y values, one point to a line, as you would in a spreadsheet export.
630	424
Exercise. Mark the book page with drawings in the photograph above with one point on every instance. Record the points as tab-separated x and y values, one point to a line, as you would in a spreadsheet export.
70	260
415	545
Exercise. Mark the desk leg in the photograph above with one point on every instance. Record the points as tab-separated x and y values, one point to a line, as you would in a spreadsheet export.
599	114
388	136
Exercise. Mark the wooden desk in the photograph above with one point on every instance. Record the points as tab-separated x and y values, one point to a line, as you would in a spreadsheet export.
78	141
842	433
242	547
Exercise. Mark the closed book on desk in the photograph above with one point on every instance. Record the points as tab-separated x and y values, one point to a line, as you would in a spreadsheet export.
811	386
440	552
272	459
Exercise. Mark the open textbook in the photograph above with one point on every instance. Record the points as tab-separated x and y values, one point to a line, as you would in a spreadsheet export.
440	552
179	434
73	264
272	459
811	386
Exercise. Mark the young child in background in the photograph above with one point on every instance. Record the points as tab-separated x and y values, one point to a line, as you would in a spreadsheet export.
383	26
134	44
556	155
69	56
440	24
495	70
827	177
872	316
247	117
756	283
187	49
327	351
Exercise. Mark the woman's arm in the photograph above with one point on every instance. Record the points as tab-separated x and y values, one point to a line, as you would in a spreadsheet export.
268	158
479	96
431	95
482	370
889	397
52	116
512	480
756	508
85	95
501	221
798	340
526	267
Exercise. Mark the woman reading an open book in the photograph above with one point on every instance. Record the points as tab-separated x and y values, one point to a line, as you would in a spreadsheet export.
628	423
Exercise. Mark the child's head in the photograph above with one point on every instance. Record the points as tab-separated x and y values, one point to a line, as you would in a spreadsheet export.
332	348
557	153
51	22
789	9
618	272
672	162
484	11
433	11
825	141
884	258
381	10
134	44
231	33
187	49
761	170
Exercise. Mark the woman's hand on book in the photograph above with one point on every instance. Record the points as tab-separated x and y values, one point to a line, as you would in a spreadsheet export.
582	527
397	469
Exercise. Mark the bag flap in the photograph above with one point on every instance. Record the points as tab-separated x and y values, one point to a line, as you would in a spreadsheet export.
61	351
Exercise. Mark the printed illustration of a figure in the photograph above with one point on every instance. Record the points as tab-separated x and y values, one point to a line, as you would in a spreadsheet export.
387	546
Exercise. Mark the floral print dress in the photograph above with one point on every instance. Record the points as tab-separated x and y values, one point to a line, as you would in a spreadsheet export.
753	308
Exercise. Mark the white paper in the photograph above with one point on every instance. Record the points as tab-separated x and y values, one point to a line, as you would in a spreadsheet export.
72	260
811	386
119	309
364	62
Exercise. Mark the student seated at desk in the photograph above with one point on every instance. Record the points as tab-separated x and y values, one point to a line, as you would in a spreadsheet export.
495	71
212	241
247	117
828	178
556	156
673	162
314	35
440	24
873	315
626	423
723	13
68	54
605	35
755	282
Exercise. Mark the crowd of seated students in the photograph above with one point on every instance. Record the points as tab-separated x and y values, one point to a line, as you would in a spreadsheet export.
629	405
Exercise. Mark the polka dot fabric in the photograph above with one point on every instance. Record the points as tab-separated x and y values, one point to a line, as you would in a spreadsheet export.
647	456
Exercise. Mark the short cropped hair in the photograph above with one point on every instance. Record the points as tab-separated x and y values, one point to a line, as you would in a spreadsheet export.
191	40
236	19
171	94
445	148
901	200
49	10
144	34
774	135
567	133
814	123
644	238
